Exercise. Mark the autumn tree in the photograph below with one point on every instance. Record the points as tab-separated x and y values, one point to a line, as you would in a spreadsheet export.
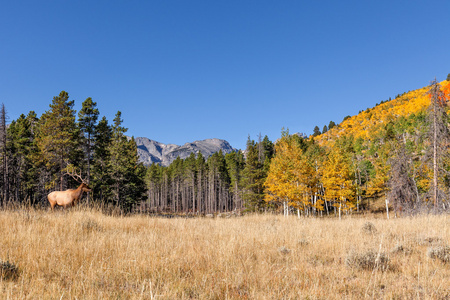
291	179
280	182
337	180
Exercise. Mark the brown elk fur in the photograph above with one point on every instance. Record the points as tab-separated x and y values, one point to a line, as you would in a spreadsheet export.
67	198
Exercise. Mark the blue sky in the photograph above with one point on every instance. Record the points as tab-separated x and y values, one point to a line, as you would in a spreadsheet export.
181	71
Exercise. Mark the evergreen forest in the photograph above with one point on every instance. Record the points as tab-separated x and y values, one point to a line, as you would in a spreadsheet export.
396	153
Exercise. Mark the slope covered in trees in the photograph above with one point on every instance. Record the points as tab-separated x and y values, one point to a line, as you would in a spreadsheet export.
388	117
397	150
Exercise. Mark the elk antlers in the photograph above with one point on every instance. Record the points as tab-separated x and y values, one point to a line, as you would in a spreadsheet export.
72	172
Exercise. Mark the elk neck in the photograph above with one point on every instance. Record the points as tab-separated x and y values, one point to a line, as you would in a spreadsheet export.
79	191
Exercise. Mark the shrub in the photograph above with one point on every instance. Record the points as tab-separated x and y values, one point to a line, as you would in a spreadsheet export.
8	270
303	242
368	228
284	250
439	252
89	225
368	260
399	248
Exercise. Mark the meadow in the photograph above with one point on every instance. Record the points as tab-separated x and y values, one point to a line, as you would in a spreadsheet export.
85	254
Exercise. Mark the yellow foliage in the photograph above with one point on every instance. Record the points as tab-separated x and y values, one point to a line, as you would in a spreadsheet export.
336	179
362	124
291	177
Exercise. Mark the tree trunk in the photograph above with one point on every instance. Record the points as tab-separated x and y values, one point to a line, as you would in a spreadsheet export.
435	171
387	206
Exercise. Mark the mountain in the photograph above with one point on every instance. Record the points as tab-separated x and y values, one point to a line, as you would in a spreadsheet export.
150	151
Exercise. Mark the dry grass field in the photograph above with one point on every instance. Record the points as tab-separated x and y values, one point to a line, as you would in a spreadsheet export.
83	254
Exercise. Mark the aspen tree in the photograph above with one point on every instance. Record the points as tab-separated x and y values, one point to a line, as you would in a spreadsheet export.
290	179
337	180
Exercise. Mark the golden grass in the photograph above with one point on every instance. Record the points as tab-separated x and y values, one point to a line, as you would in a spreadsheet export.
83	254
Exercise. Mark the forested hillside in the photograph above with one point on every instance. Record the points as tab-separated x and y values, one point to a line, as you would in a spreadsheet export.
396	151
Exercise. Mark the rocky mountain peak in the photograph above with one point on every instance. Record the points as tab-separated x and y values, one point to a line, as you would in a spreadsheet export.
151	152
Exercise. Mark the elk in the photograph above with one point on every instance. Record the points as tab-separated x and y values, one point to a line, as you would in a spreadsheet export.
68	197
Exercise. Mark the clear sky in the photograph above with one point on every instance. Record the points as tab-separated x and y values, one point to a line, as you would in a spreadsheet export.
181	71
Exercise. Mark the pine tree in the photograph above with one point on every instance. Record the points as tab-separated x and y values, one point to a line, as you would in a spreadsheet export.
154	185
4	154
331	125
254	175
127	174
316	131
235	162
20	148
87	119
202	173
218	182
101	173
190	182
58	138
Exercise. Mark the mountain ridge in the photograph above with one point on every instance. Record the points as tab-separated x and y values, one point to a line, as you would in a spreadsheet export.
150	151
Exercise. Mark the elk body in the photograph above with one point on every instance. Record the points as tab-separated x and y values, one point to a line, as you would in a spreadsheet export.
67	198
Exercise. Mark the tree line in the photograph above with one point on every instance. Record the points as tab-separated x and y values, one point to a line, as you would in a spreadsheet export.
396	151
39	153
220	183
